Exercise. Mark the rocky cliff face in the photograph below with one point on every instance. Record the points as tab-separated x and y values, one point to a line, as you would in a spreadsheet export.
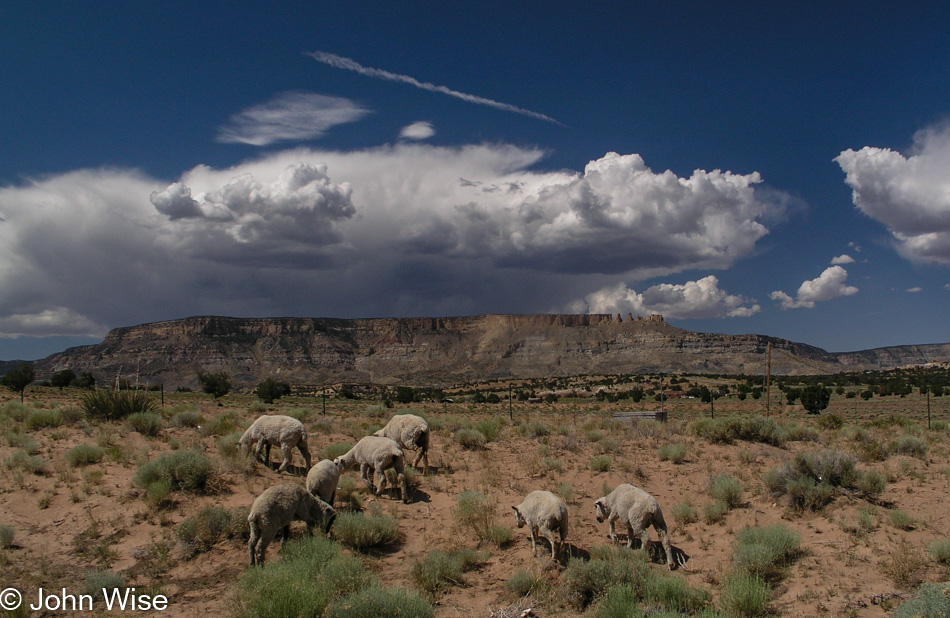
443	351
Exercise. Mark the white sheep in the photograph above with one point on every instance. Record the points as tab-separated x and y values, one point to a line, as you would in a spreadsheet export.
323	479
410	432
285	431
273	511
638	510
378	454
544	513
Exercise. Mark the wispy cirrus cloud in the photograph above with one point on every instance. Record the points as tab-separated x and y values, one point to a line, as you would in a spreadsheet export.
290	116
348	64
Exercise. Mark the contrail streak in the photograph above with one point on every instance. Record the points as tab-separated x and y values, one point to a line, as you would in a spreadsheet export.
340	62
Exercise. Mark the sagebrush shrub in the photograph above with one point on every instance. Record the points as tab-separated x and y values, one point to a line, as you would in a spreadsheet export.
39	419
524	583
186	418
930	600
490	427
185	470
939	550
470	438
378	602
202	531
361	531
146	423
764	551
440	569
600	463
585	581
84	454
674	453
745	595
727	489
6	537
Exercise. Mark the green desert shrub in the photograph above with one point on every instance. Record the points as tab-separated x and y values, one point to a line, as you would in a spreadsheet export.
490	427
202	531
15	410
900	520
674	453
600	463
931	600
911	446
39	419
188	470
84	454
809	479
439	570
584	581
831	421
714	512
475	512
470	438
146	423
727	489
186	418
229	445
939	550
674	594
363	531
379	602
524	583
332	451
685	513
725	430
99	581
25	441
6	537
620	602
112	405
764	551
745	595
309	576
21	460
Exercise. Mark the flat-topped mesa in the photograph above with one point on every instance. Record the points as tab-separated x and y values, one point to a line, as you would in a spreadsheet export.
440	351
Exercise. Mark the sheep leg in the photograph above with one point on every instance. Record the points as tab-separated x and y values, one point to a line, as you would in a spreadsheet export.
305	452
267	453
287	452
380	473
252	545
534	541
611	522
631	535
364	474
550	537
665	540
258	450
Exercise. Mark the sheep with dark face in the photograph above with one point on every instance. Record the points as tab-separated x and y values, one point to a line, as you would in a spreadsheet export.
410	432
638	510
284	431
543	513
273	511
377	454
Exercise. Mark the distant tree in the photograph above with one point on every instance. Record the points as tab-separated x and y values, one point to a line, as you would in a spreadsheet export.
18	379
404	394
85	380
63	378
270	390
215	384
791	394
815	398
493	398
867	394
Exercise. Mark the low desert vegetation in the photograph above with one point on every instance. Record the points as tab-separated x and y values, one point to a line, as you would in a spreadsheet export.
767	513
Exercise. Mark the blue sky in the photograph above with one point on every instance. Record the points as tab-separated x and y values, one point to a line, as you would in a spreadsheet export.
738	167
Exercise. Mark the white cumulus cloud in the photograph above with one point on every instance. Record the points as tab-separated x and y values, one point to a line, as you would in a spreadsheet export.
908	194
842	259
828	285
417	130
693	299
408	229
290	116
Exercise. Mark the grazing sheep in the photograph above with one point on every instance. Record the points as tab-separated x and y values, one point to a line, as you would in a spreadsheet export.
410	432
638	510
323	479
379	454
544	513
273	511
285	431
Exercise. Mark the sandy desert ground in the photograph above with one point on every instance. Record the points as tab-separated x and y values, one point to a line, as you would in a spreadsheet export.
858	556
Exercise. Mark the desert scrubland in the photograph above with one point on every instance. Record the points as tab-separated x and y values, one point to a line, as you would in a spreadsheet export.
794	514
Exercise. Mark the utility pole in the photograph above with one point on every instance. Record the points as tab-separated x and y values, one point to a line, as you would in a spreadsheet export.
510	413
768	379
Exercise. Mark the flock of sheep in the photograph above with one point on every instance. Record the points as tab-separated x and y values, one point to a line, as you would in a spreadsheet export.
543	512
